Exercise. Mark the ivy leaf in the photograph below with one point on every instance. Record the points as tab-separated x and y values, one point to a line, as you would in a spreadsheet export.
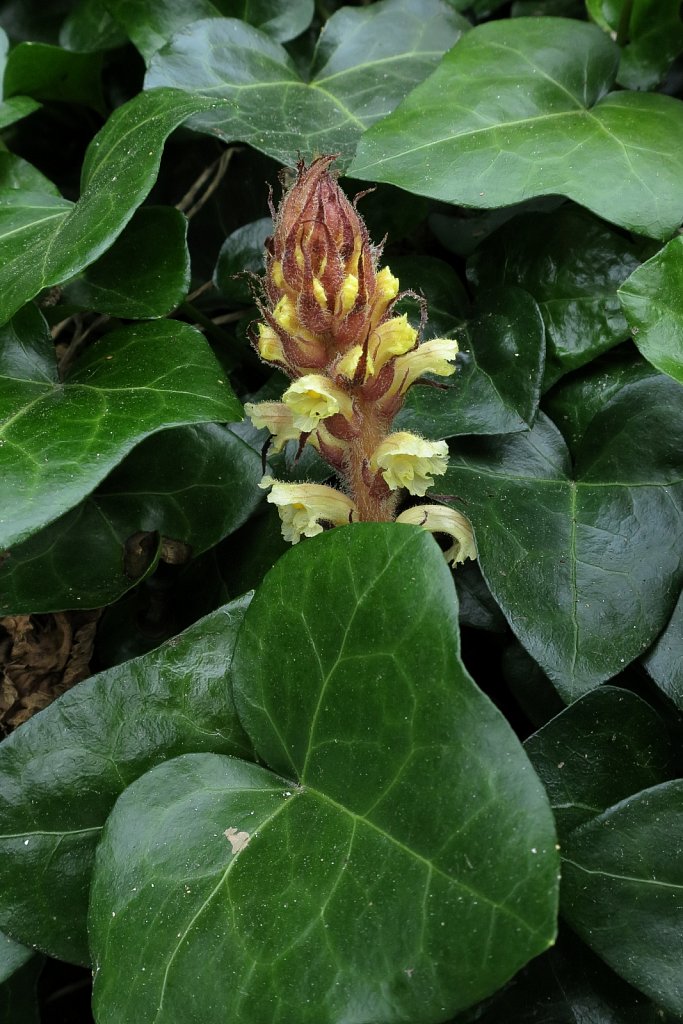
241	252
606	746
51	73
191	486
499	370
45	240
145	274
585	564
268	104
652	299
89	27
665	661
19	970
622	890
20	174
63	770
151	25
654	37
13	109
405	863
572	264
60	439
520	108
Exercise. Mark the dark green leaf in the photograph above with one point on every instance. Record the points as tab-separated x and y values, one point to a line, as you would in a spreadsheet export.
622	890
586	565
19	970
192	486
267	103
653	33
59	440
652	298
478	610
606	746
500	366
52	73
19	174
152	24
62	771
13	956
44	240
241	251
90	27
520	108
404	872
572	265
145	274
665	661
14	109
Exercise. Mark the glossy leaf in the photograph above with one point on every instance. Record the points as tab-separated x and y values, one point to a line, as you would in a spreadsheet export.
89	27
622	890
653	33
500	366
44	240
241	253
267	103
605	747
402	868
19	970
665	661
152	24
586	565
522	108
63	770
52	73
652	299
18	173
15	108
60	439
192	486
145	274
572	265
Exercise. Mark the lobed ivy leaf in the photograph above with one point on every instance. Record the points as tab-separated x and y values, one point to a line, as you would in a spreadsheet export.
606	746
59	439
622	890
572	264
192	487
584	561
499	371
652	299
664	662
521	107
267	103
45	240
396	859
654	37
63	770
152	24
52	73
145	274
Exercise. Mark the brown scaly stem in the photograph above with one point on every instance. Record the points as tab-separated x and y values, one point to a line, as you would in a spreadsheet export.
372	506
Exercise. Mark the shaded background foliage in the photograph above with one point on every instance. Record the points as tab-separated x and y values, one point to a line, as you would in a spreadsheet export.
526	165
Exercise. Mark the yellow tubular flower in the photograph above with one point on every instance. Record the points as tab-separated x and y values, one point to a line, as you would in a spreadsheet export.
348	293
315	397
392	338
439	519
304	507
406	460
285	315
269	345
435	356
278	419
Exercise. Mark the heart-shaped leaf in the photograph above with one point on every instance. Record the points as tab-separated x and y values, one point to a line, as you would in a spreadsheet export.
665	661
652	299
604	747
145	274
45	240
521	107
62	771
269	105
191	486
622	890
585	564
402	868
58	440
572	265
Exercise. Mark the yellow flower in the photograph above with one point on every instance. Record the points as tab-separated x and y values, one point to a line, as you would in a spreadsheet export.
304	507
406	460
269	345
439	519
392	338
278	419
314	397
435	356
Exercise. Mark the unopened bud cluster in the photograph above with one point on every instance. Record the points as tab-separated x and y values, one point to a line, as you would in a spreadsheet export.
328	323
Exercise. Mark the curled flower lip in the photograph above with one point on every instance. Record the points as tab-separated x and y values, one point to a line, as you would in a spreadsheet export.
313	398
303	508
406	460
277	418
441	519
